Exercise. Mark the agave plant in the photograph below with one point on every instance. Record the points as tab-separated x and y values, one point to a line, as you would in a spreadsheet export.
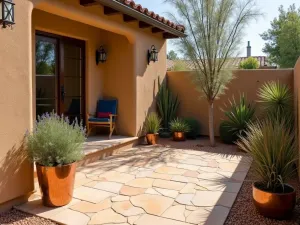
274	153
239	115
276	101
152	123
179	125
167	104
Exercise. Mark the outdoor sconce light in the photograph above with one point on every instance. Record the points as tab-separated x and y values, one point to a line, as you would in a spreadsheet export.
100	55
152	55
7	17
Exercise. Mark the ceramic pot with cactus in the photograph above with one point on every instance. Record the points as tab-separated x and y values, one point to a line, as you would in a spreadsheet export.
152	126
179	127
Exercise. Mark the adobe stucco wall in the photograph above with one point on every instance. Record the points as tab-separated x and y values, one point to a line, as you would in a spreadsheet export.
297	104
125	75
246	81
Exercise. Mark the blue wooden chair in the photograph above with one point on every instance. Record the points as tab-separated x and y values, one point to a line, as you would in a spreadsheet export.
106	114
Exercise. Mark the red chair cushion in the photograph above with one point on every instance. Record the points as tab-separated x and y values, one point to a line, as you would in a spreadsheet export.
103	114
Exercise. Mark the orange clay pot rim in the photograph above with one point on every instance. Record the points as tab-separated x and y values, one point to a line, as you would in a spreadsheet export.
254	183
55	166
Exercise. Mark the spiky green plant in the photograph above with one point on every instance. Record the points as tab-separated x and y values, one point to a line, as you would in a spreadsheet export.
274	152
167	104
194	128
152	123
179	125
238	116
276	100
55	141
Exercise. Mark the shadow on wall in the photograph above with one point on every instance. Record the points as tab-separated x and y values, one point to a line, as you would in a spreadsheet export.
11	177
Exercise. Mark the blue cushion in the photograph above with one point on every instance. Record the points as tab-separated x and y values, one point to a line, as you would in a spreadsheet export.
107	106
100	119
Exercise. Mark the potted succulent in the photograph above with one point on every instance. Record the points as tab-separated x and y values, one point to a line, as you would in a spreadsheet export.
178	128
152	126
55	145
274	154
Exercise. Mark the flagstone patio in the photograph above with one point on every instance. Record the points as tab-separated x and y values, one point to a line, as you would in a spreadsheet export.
159	185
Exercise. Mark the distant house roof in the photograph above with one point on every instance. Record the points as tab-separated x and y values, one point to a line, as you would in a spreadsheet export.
231	63
135	12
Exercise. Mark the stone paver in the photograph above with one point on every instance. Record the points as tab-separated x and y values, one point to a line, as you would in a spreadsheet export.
107	216
152	204
152	185
127	209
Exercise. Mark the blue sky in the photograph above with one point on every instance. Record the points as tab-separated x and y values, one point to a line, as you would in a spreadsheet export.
268	7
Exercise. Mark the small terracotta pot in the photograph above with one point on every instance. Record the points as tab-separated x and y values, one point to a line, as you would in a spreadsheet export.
274	205
151	139
56	184
178	136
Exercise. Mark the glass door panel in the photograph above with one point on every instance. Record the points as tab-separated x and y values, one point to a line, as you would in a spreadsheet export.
46	75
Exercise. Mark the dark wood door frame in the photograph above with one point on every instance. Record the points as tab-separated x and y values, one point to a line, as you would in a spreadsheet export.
60	65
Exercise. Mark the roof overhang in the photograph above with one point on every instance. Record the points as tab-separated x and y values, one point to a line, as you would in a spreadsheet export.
112	7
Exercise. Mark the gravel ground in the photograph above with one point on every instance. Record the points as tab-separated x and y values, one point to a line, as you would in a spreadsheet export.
15	217
243	211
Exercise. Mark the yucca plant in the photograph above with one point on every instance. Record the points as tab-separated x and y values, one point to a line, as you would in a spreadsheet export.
238	116
152	123
167	104
276	100
179	125
274	153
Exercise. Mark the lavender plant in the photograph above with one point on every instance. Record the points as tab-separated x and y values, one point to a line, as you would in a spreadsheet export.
55	141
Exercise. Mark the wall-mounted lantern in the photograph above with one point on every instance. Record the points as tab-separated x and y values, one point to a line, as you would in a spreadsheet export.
7	13
101	55
152	55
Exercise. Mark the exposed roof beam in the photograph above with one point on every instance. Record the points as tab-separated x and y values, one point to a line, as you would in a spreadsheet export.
88	2
156	30
144	25
128	19
167	35
110	11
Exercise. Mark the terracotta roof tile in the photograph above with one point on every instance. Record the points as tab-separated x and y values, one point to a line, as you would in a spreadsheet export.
151	14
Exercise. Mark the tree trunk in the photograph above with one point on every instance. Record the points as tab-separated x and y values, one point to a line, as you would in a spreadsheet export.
211	124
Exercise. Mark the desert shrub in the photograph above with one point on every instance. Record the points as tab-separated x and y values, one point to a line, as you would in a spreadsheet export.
179	125
238	116
274	153
276	101
152	123
249	63
194	128
55	141
180	66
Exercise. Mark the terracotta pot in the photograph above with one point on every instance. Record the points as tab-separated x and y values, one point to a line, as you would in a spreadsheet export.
56	184
179	136
151	139
274	205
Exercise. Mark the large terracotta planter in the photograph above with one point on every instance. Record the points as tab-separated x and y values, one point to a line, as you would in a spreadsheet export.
178	136
151	139
273	205
56	184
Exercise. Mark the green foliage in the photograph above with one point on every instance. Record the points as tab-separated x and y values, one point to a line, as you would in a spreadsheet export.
54	141
167	104
239	115
194	128
276	101
283	39
274	152
180	66
152	123
179	125
172	55
45	58
214	31
249	64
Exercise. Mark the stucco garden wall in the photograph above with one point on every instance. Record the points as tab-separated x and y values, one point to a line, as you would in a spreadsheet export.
246	81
